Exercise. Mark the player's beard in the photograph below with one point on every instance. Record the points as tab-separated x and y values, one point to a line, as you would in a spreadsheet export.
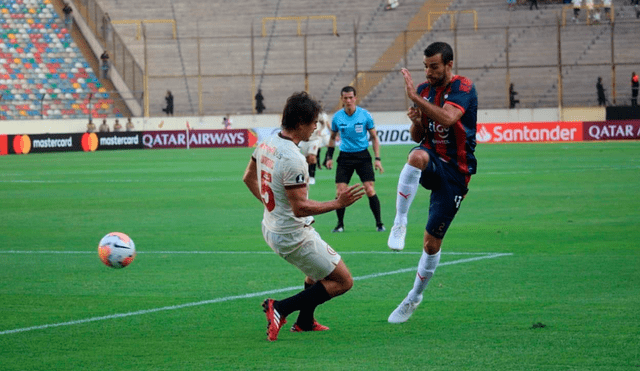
437	81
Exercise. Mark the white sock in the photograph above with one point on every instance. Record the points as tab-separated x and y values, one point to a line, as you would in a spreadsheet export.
407	187
426	269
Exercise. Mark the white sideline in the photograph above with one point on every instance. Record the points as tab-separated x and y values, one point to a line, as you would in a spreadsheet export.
234	252
229	298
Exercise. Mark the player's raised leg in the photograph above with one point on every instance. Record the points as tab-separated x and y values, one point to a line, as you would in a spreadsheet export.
408	183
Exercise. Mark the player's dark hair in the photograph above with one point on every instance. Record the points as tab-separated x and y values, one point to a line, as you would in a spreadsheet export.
300	109
348	89
441	48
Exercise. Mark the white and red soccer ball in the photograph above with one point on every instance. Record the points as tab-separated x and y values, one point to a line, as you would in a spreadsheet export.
116	250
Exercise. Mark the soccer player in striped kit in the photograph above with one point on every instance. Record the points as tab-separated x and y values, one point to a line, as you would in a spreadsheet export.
443	121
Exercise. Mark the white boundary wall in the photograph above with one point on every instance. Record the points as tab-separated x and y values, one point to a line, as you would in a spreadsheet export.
265	121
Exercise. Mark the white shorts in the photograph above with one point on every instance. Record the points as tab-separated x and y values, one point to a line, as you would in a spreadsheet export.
310	148
304	249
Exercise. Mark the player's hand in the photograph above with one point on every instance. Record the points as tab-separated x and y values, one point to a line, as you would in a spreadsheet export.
415	115
378	166
351	195
329	164
408	83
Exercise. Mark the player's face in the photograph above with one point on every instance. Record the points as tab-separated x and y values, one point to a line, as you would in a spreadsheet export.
348	101
308	129
438	73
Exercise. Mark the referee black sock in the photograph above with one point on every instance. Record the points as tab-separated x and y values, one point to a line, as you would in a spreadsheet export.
312	170
340	213
374	204
307	299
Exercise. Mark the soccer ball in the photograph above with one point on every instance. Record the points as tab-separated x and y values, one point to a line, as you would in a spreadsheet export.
116	250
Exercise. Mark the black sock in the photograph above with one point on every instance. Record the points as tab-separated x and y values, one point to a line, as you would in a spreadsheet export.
318	157
305	316
307	299
312	170
374	204
340	213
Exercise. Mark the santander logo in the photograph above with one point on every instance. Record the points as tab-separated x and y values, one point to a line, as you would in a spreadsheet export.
483	134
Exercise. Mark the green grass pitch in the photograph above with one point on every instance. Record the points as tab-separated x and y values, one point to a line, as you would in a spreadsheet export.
540	270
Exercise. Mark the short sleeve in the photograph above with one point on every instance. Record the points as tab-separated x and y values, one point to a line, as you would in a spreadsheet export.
293	172
461	94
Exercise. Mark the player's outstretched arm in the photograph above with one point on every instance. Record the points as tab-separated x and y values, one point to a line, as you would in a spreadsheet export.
302	206
447	115
250	178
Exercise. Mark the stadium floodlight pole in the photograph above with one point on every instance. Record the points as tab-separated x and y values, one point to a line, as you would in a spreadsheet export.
42	106
188	128
613	60
146	73
560	87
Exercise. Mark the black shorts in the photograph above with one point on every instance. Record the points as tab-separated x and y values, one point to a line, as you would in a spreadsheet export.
360	162
448	187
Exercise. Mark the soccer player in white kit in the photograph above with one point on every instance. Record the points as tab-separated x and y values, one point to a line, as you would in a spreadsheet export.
311	148
277	175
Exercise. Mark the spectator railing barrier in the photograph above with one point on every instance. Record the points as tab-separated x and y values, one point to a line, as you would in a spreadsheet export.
452	15
299	20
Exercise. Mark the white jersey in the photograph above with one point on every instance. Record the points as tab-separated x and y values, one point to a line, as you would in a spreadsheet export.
280	164
323	123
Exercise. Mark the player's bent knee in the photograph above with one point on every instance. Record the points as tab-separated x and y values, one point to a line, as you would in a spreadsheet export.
419	159
432	244
344	286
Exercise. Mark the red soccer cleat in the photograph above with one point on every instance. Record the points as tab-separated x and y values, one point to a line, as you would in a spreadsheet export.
315	327
274	322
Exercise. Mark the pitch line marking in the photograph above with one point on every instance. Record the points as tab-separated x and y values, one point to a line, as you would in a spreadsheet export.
228	298
236	252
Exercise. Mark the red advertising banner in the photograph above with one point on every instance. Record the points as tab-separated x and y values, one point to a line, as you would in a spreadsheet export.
199	138
558	131
4	145
611	130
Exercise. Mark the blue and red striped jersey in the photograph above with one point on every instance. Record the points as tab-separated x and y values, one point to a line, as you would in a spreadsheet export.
455	144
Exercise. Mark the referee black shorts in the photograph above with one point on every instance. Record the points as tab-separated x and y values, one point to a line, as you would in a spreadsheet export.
360	162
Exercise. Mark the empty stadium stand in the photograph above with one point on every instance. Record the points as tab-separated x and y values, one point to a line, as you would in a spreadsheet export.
225	50
42	71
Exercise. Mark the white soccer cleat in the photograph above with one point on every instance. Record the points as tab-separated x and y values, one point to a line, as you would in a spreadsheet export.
404	311
312	181
396	237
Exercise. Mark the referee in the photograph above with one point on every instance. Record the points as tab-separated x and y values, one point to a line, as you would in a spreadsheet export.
353	123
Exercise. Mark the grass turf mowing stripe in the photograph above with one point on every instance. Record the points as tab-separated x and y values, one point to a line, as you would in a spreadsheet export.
228	298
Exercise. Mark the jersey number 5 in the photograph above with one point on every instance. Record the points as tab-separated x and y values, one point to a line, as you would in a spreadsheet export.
265	190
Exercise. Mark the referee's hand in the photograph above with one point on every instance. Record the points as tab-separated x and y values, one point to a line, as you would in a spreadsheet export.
378	166
329	164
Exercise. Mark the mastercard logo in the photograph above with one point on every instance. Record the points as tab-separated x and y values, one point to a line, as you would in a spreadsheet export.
21	144
89	142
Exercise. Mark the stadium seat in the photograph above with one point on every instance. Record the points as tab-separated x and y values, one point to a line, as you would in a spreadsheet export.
38	58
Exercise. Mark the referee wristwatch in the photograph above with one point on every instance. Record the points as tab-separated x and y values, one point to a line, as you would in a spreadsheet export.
378	159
